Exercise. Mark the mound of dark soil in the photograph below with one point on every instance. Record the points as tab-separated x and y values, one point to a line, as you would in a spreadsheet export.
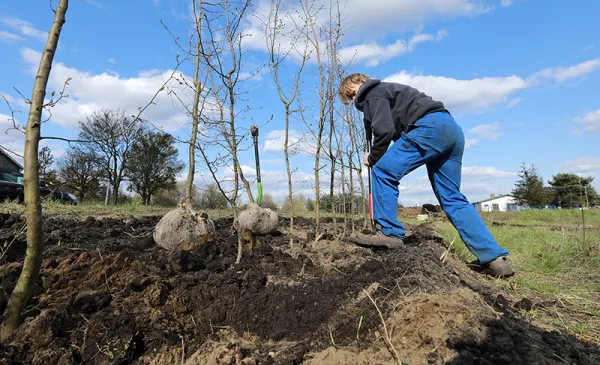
109	295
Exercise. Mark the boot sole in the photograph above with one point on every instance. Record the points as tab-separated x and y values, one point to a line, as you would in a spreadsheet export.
504	271
361	242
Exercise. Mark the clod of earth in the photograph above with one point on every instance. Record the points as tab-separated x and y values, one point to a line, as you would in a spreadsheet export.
258	220
183	227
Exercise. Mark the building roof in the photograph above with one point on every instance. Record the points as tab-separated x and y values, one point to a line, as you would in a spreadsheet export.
5	152
494	198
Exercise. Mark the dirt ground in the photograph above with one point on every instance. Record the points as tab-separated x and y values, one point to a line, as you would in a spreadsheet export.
109	295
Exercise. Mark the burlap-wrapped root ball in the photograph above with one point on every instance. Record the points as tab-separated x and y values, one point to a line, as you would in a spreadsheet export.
183	228
258	220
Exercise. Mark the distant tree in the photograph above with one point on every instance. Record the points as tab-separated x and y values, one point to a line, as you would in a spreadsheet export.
171	197
529	189
310	205
113	134
46	159
267	202
80	172
212	198
298	205
153	164
568	190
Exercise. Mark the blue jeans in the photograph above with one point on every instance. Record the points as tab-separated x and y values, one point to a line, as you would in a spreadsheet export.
438	142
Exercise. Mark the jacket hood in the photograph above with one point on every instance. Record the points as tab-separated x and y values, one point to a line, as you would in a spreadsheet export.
363	90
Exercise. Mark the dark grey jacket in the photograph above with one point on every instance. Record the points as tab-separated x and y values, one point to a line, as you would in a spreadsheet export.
390	109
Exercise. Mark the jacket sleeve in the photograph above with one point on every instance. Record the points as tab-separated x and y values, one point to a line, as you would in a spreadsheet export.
382	124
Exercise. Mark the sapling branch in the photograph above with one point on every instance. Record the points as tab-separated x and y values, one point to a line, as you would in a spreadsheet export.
16	126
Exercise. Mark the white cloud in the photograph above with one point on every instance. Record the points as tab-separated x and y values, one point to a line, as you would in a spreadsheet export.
363	20
470	142
485	93
463	95
378	16
506	3
90	92
514	102
419	38
112	61
487	131
563	74
95	3
587	48
9	37
441	34
273	162
583	165
25	28
373	54
590	122
297	143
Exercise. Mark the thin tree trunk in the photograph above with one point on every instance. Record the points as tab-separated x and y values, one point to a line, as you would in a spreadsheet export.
35	235
344	199
189	183
352	198
116	182
321	121
289	170
331	154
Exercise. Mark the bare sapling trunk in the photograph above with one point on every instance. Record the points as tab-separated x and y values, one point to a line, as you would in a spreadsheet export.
344	198
357	129
35	236
352	198
288	170
315	40
276	58
351	152
222	54
332	156
340	139
189	184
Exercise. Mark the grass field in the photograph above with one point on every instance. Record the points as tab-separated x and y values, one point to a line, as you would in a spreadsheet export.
553	262
547	249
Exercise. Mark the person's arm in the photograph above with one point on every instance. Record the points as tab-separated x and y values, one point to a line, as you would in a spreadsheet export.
382	124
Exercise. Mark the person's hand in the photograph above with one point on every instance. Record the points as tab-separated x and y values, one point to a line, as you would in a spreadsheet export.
366	159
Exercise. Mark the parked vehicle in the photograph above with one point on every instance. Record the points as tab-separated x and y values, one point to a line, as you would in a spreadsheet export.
11	188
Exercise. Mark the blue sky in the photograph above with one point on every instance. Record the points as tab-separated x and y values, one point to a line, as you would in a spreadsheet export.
521	77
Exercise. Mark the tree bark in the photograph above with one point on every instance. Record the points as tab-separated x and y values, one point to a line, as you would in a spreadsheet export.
289	170
35	235
116	181
189	184
315	40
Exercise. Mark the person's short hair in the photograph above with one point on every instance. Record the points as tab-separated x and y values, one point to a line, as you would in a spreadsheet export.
346	84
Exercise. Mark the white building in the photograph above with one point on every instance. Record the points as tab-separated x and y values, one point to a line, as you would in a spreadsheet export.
500	203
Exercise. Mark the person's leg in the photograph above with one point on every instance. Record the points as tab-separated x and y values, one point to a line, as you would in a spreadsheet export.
402	157
445	177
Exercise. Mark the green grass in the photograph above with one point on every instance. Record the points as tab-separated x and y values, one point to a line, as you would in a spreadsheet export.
548	261
569	217
550	264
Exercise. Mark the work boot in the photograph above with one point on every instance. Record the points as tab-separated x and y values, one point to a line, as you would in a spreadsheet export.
377	239
499	268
